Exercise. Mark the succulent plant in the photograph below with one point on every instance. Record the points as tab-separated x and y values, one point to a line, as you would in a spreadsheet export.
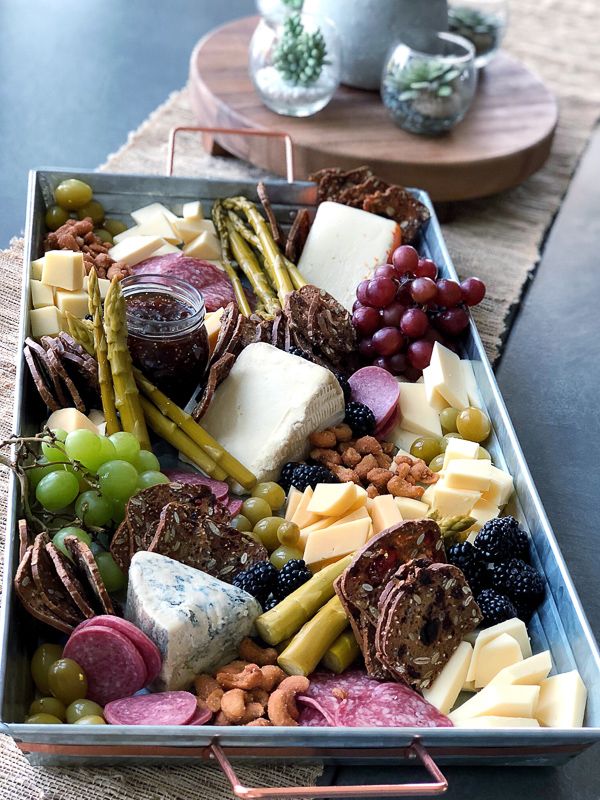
481	29
434	77
300	55
293	5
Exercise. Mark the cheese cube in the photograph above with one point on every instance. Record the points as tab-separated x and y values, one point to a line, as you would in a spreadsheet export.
189	229
302	517
332	499
384	513
319	525
532	670
206	246
293	501
135	249
464	473
192	210
126	234
482	512
41	294
459	448
75	303
445	376
470	383
497	722
428	496
562	701
359	513
411	509
361	499
514	627
499	701
335	541
158	225
46	321
70	419
343	248
98	419
63	269
37	267
166	249
434	398
141	215
402	438
494	656
501	487
415	412
103	285
212	323
453	502
448	684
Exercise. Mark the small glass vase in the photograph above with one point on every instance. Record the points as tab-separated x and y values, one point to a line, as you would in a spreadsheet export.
482	22
275	11
281	95
429	82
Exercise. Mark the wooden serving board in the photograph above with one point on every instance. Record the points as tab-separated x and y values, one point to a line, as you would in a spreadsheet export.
506	136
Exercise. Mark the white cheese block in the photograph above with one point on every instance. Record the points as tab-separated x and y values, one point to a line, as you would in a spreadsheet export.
497	722
482	512
502	651
562	701
445	376
335	541
75	303
46	321
453	502
166	249
514	627
97	417
343	248
532	670
411	509
196	621
37	267
41	294
501	487
468	473
192	210
415	412
141	215
434	398
189	229
127	234
206	246
402	438
499	701
332	499
158	225
135	249
448	684
103	284
70	419
459	448
293	500
63	269
470	383
428	496
384	513
270	403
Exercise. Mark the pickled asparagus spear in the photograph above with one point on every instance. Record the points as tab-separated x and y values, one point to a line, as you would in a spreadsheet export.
287	617
127	399
453	529
296	276
342	653
314	639
107	392
251	269
82	331
219	220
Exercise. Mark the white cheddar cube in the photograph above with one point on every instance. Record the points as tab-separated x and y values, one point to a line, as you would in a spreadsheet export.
46	321
343	248
448	684
63	269
141	215
127	234
482	512
499	701
530	671
361	499
103	284
434	398
332	499
428	496
402	438
470	383
464	473
205	246
166	249
411	509
293	501
41	294
415	412
494	656
75	303
497	722
192	210
158	225
188	229
135	249
301	516
459	449
501	487
514	627
70	419
98	419
445	376
351	516
335	541
451	502
36	268
562	701
384	513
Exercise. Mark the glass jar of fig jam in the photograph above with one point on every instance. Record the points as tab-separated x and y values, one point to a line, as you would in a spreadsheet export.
167	337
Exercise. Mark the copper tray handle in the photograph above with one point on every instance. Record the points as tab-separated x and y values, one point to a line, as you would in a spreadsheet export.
438	785
268	134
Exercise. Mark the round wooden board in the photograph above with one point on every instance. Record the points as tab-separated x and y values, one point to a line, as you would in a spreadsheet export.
505	138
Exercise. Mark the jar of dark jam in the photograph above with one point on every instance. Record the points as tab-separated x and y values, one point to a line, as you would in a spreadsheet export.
167	337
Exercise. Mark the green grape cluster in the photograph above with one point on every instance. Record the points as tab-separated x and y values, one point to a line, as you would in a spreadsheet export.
300	56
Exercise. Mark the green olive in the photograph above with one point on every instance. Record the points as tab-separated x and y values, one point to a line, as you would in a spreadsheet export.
436	464
103	235
83	708
241	523
48	705
283	554
288	533
426	447
55	217
73	194
114	226
271	492
93	209
91	719
473	424
266	529
255	509
67	680
42	660
43	719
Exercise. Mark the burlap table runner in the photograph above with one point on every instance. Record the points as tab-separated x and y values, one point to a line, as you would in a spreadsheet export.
498	239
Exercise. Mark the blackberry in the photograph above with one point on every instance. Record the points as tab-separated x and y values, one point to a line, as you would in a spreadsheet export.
468	560
522	550
257	581
524	584
343	382
497	540
269	603
286	474
292	575
306	475
297	351
497	575
360	418
495	607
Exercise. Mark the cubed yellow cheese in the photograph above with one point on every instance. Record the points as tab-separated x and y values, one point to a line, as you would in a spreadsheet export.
75	303
126	234
482	512
499	701
411	509
501	487
514	627
361	499
212	323
158	225
188	229
497	722
319	525
562	701
494	656
63	269
350	516
384	513
448	684
41	294
166	249
402	438
434	398
445	376
453	502
416	414
530	671
103	285
70	419
470	383
206	246
192	210
46	321
335	541
141	215
459	449
135	249
332	499
428	496
37	267
465	473
293	501
302	516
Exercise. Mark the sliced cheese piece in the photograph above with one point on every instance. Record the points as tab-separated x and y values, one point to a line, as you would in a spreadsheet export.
46	321
97	417
411	509
465	473
428	496
562	701
41	294
500	652
75	303
531	671
501	487
37	267
514	627
135	249
141	215
445	376
166	249
206	246
212	323
361	499
402	438
70	419
192	210
301	516
63	269
384	513
482	512
358	513
499	701
332	499
103	285
459	449
434	398
335	541
453	502
470	383
448	684
468	686
189	229
293	501
126	234
497	722
416	414
343	248
158	225
319	525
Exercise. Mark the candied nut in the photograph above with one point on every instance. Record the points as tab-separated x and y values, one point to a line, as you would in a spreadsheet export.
421	473
234	667
249	678
388	448
251	652
89	238
367	445
345	474
282	708
259	696
103	260
213	701
343	446
261	722
205	685
365	466
379	478
326	457
118	270
221	719
233	705
326	439
383	460
402	459
66	241
351	457
253	711
372	491
398	487
343	432
271	677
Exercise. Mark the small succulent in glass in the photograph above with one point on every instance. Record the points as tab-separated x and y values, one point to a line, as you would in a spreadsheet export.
482	22
300	55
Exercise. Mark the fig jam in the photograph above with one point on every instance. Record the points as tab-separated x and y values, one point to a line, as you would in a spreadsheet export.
167	337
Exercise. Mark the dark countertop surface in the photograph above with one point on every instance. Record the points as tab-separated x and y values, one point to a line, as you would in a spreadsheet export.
77	77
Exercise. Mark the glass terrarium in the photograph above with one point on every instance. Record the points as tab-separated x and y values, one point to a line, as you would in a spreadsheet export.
482	22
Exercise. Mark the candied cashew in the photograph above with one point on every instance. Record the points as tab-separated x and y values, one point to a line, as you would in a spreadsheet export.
249	678
345	474
383	461
253	653
282	707
363	468
351	457
379	478
233	705
221	719
272	676
253	711
326	457
398	487
421	473
261	722
326	439
259	696
367	445
388	448
372	491
209	692
343	432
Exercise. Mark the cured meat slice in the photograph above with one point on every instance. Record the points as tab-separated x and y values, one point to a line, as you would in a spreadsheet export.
353	700
220	489
234	505
48	583
86	563
112	663
201	717
376	388
162	708
32	600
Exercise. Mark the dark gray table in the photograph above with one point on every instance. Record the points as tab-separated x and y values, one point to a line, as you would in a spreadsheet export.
75	77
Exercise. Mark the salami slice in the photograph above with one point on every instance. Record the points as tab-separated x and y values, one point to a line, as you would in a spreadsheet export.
163	708
112	663
201	716
353	700
219	488
376	388
233	505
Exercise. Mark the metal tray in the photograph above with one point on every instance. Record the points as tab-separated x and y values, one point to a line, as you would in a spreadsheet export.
559	625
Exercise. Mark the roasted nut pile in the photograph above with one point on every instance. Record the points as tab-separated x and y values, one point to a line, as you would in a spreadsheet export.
78	235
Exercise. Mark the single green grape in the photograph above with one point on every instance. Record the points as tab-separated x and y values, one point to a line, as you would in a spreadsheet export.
283	554
103	235
82	708
271	492
108	451
43	719
426	447
52	451
436	464
446	438
126	445
93	509
255	509
473	424
241	523
48	705
93	209
448	419
119	510
112	574
151	478
73	194
288	533
146	460
482	454
118	479
67	680
55	217
43	658
84	446
71	530
57	490
42	468
91	719
266	530
114	226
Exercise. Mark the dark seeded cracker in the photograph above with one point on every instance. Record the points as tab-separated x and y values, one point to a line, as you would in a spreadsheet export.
49	585
86	563
32	600
66	573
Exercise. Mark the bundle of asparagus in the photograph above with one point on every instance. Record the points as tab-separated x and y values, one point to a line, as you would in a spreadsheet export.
107	391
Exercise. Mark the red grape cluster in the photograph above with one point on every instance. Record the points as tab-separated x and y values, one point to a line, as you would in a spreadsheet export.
404	309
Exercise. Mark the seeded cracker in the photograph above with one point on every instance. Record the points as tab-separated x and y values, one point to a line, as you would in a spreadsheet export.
55	365
399	204
49	585
120	546
268	209
217	374
86	563
39	379
32	600
298	235
66	572
24	538
228	324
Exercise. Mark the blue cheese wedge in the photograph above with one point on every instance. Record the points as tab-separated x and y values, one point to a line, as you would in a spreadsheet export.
196	621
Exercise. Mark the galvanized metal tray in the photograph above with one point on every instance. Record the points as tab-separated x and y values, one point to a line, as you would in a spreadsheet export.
559	625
